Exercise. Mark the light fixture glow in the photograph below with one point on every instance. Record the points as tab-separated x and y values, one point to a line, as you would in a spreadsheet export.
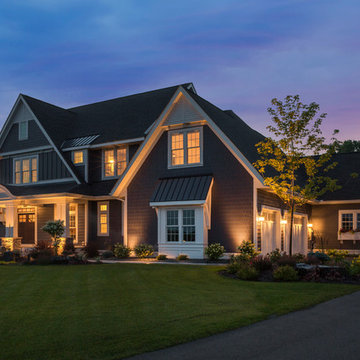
260	218
310	225
283	222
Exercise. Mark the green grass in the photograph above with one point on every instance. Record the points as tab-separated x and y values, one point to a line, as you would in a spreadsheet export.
113	311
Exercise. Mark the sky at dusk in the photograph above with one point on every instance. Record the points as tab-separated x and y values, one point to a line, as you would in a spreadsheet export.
239	54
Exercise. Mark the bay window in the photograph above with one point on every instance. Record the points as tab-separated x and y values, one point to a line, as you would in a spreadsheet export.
115	162
185	147
25	170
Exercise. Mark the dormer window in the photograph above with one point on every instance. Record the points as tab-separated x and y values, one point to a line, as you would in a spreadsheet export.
78	157
23	130
115	162
26	170
185	148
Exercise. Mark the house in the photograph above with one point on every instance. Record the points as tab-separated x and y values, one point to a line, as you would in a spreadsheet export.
164	167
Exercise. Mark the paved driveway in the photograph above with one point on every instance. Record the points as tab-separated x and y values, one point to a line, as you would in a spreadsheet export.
327	331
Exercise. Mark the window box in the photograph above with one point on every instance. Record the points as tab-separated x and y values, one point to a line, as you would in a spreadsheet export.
349	225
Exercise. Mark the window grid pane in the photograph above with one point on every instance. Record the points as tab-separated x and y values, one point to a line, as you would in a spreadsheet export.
109	163
189	233
193	145
172	229
358	221
78	157
347	221
189	225
26	171
121	161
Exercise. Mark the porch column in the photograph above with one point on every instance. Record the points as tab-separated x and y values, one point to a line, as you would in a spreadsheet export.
61	212
11	229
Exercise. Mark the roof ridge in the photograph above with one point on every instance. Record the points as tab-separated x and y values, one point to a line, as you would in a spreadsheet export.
127	96
45	102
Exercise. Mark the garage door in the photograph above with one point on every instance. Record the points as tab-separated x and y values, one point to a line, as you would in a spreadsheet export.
268	232
299	237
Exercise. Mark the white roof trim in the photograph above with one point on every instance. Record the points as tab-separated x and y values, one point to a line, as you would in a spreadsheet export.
178	203
155	133
128	141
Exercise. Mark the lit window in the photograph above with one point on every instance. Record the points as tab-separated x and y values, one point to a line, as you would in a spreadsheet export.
25	171
115	162
103	219
23	130
72	221
180	225
78	157
185	147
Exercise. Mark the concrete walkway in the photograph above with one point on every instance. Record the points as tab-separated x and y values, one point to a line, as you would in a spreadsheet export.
330	330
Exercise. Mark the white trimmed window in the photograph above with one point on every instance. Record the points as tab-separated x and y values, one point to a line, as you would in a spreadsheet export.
115	162
23	130
180	225
78	157
185	147
103	218
25	170
73	222
349	221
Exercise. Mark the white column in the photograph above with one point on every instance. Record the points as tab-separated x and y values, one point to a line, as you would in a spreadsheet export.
62	213
11	229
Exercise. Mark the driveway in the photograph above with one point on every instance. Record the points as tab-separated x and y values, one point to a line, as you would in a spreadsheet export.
330	330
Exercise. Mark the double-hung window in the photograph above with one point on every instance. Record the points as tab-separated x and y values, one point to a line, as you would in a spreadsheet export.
103	218
185	147
180	225
78	157
26	170
349	221
115	162
73	222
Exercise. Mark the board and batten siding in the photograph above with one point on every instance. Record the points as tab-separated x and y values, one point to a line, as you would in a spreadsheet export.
35	138
44	214
325	220
51	166
232	193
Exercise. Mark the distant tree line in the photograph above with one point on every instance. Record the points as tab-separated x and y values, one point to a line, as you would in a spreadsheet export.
347	146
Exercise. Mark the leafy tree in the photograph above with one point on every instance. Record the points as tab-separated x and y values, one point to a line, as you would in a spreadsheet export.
296	161
56	229
347	146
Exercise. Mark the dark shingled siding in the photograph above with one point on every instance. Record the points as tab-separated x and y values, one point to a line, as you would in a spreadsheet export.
325	224
44	214
115	224
232	197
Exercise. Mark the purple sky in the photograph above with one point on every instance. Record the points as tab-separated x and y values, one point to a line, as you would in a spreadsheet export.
239	54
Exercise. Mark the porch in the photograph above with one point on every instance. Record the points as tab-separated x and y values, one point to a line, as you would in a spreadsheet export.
22	221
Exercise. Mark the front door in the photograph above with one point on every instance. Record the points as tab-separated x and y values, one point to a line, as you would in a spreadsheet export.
26	228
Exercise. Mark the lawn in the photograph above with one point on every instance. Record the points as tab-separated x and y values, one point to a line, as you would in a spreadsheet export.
114	311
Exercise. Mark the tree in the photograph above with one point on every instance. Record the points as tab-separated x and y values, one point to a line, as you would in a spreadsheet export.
347	146
295	163
56	229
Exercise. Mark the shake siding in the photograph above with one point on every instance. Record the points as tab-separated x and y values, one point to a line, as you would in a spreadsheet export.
232	196
325	224
44	214
81	224
115	224
35	138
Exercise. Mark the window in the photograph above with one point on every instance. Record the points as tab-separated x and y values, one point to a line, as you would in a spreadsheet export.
78	157
185	147
23	130
349	221
73	222
103	219
25	170
115	162
180	225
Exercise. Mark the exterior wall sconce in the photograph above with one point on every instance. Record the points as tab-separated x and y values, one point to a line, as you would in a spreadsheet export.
260	218
310	226
283	222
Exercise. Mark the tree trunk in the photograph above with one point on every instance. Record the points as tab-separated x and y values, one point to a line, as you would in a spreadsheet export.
291	227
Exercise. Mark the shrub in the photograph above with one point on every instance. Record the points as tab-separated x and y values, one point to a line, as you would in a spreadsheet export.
8	256
91	250
43	245
121	251
261	263
143	250
56	229
69	247
233	267
247	250
285	273
320	255
354	269
286	260
247	272
182	257
214	251
299	258
161	257
337	255
275	255
107	254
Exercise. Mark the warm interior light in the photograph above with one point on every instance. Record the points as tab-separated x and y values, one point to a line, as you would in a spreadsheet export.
310	225
260	218
283	221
